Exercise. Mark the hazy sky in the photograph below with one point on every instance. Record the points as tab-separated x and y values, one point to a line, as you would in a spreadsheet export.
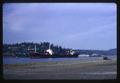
71	25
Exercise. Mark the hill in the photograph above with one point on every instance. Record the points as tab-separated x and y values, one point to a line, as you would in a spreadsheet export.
101	52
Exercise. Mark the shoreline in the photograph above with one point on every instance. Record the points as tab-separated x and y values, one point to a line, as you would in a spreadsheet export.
10	60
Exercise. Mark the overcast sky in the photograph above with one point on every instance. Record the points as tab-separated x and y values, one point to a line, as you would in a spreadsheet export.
70	25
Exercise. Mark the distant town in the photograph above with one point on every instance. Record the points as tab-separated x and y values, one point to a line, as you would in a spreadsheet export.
25	48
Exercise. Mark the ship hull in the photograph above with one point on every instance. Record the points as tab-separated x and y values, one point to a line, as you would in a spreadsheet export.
53	56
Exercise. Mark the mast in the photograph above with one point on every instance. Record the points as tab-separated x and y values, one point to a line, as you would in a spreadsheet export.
49	46
35	48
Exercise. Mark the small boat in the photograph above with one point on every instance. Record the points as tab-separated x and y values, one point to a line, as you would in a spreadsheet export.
105	58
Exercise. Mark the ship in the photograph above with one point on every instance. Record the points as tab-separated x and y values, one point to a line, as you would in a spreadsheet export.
50	54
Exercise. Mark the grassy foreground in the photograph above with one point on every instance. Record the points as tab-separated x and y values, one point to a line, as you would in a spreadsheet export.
62	70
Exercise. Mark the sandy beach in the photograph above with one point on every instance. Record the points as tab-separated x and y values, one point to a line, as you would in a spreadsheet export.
101	69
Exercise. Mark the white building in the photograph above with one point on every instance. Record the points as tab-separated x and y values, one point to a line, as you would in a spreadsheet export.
84	55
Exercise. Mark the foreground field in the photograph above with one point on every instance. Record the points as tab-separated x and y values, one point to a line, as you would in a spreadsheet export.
62	70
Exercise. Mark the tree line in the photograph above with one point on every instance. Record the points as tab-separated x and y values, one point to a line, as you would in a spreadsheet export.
25	48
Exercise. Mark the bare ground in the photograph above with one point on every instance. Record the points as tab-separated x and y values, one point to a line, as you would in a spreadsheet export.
62	70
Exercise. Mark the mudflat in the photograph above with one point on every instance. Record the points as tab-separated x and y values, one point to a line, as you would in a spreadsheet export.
100	69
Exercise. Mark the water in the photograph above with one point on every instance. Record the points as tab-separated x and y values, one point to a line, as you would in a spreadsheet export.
14	60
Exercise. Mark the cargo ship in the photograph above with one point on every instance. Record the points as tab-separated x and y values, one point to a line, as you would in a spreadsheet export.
50	54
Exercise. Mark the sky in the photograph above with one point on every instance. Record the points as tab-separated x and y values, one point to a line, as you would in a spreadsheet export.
70	25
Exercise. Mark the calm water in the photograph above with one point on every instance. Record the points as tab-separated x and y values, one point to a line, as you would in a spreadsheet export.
14	60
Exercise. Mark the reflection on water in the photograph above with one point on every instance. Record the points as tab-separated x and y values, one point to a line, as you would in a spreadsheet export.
13	60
